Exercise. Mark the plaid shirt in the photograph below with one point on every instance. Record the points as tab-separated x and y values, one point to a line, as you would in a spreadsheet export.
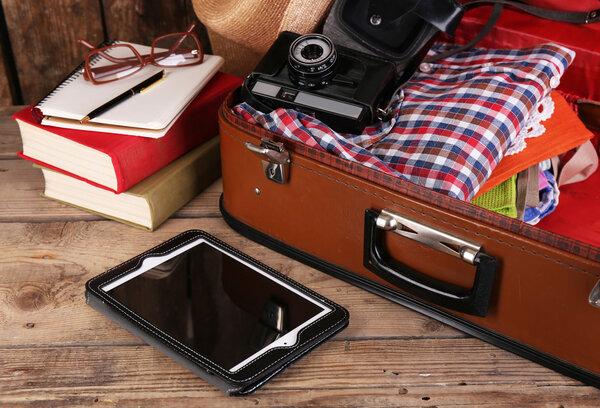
454	124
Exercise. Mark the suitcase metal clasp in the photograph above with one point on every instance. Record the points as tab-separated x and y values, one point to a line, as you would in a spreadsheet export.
274	158
433	238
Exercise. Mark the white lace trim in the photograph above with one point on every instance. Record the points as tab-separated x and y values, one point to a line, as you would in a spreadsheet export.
533	127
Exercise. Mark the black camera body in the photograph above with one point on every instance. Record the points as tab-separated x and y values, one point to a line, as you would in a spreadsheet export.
345	89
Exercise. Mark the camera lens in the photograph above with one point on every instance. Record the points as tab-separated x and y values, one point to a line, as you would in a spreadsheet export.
312	51
312	59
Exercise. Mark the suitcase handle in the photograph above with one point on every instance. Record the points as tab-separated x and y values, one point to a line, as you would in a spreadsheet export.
474	301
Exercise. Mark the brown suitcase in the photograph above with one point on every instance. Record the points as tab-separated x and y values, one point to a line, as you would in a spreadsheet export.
508	283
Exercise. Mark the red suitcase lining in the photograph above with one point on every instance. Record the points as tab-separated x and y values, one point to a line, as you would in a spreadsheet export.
519	30
578	212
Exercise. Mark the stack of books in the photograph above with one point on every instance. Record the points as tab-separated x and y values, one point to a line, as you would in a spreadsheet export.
140	161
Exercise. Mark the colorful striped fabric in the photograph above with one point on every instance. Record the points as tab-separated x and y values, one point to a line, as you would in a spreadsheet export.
455	123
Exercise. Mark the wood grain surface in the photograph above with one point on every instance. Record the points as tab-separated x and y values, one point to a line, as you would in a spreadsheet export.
44	35
55	351
5	82
141	21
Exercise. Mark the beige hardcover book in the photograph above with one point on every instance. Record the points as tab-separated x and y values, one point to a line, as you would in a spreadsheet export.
150	202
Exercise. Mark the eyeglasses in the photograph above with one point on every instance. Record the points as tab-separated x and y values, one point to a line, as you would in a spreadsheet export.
119	61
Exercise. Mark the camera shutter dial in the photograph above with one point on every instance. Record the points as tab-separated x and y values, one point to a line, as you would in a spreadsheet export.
312	59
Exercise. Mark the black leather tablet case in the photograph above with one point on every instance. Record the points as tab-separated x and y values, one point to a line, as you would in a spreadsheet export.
250	377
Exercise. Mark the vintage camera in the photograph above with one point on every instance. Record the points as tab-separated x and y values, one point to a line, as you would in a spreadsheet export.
343	88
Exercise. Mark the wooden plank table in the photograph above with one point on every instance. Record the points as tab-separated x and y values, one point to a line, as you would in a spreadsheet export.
56	351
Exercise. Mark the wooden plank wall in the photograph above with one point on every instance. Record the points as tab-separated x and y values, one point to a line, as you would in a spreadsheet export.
39	38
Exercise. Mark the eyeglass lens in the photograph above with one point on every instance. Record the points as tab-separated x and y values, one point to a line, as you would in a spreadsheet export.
176	50
115	62
120	60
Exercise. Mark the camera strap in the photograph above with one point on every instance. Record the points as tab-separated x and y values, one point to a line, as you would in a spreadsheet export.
401	30
573	17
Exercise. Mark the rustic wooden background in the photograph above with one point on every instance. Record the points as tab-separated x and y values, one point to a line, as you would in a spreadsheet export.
38	38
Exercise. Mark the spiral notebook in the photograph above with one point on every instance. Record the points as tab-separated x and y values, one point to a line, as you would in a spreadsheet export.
148	114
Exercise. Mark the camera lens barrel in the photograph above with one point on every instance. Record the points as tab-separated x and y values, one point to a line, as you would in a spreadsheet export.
312	60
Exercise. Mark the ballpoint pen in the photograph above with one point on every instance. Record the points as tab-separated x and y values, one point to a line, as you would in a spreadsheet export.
139	88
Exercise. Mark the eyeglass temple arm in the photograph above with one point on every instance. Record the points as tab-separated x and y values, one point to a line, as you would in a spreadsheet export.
190	28
86	44
178	43
127	61
124	62
91	47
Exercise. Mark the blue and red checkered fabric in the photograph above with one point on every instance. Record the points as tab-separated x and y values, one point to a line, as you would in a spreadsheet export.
454	124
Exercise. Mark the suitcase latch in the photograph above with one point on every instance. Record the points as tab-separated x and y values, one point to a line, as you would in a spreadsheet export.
274	158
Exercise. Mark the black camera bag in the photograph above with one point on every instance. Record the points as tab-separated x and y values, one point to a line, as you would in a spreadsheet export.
403	30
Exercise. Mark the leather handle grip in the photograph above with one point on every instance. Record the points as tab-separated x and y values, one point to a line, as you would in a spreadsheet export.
474	301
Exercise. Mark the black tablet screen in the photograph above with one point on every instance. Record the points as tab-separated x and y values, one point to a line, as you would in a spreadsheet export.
214	304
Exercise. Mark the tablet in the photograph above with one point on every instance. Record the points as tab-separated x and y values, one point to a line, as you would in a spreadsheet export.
229	318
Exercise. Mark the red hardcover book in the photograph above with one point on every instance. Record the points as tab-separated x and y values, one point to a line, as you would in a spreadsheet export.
117	162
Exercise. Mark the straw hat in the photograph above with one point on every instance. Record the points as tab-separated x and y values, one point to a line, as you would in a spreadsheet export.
242	31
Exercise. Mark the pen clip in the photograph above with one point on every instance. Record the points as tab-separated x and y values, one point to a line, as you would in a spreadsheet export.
154	83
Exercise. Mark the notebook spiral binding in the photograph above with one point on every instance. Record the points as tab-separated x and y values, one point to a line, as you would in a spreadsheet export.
36	112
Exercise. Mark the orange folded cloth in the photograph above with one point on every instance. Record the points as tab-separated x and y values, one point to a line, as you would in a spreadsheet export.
564	131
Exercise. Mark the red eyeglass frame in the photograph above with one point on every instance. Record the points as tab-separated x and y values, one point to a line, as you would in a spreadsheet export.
138	60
